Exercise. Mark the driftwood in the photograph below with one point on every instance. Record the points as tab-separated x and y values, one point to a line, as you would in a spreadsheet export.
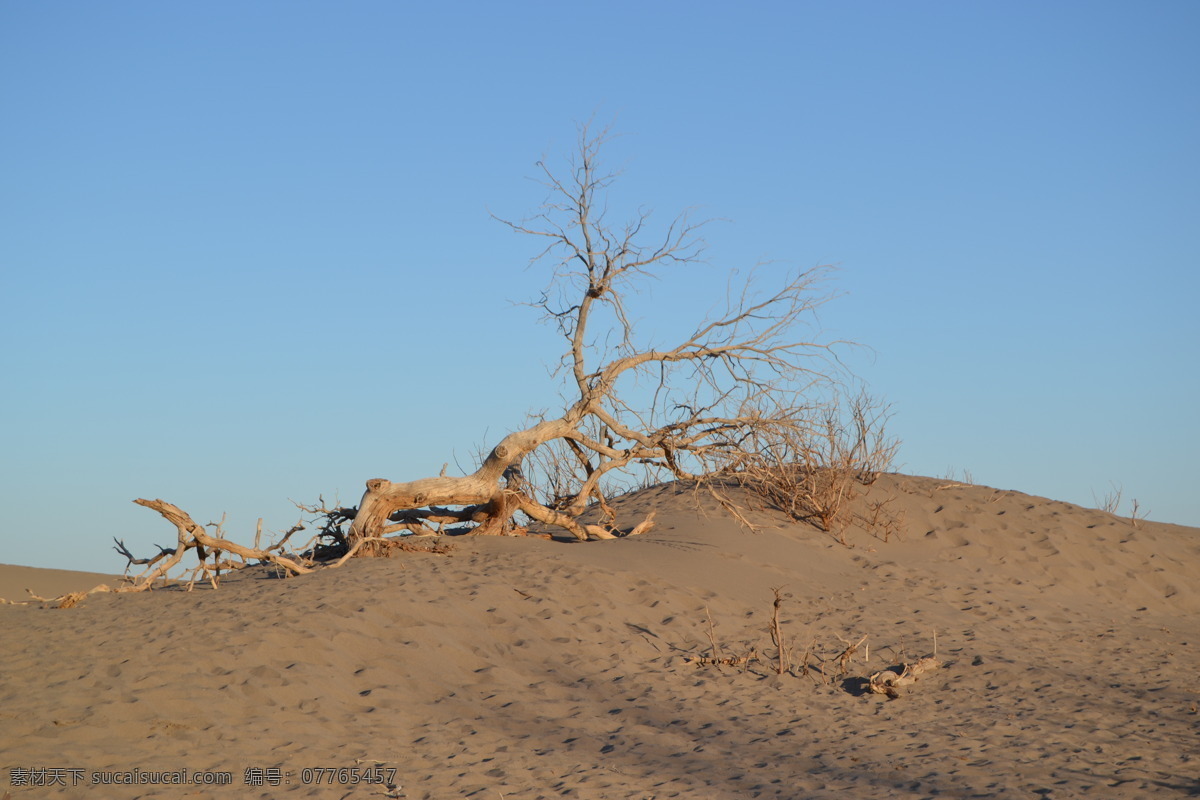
889	681
193	536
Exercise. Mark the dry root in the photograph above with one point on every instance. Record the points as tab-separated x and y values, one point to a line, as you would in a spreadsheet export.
724	661
889	681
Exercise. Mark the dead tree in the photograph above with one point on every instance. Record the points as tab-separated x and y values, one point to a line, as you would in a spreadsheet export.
738	376
745	394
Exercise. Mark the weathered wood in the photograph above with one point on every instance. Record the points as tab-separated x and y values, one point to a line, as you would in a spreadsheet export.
383	497
889	681
191	535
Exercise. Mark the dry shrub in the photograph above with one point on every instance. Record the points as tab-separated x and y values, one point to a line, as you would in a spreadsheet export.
882	520
810	465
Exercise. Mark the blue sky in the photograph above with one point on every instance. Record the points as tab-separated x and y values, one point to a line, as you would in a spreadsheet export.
247	254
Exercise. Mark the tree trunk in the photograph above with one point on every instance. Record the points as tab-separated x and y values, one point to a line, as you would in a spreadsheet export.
383	497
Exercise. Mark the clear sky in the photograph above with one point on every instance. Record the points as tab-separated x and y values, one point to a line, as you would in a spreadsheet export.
246	253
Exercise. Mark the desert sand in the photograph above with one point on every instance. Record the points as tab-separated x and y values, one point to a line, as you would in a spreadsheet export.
523	668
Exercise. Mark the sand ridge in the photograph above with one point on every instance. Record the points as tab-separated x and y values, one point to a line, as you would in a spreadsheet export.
526	668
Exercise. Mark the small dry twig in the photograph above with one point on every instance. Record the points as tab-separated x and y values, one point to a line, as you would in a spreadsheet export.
844	658
783	663
1136	515
1111	501
712	639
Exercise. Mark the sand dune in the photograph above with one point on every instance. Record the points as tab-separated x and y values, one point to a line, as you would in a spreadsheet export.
521	668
